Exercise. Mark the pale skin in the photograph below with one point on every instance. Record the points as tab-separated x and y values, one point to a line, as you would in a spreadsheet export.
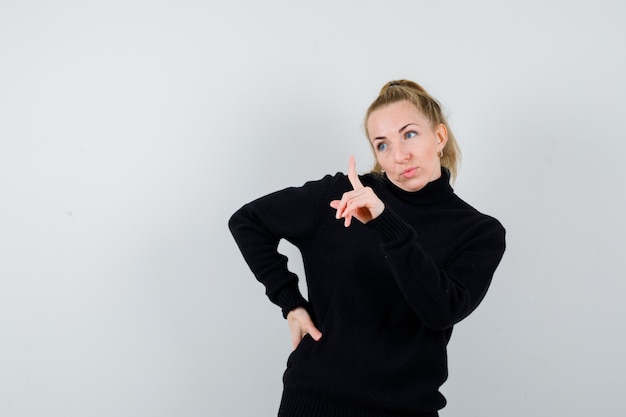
407	147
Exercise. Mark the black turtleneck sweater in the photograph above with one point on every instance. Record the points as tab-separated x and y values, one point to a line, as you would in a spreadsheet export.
385	294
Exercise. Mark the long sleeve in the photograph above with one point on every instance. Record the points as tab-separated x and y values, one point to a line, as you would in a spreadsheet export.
442	295
258	227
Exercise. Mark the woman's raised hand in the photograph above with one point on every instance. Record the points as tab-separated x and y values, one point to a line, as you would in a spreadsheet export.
300	324
361	202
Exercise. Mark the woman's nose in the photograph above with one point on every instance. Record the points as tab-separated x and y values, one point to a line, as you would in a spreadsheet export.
401	154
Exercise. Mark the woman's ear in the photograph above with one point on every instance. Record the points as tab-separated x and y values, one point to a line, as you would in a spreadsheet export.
442	135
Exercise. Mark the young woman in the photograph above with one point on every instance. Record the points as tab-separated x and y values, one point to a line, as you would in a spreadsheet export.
393	260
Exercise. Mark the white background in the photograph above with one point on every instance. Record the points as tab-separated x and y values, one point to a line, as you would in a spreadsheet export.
131	130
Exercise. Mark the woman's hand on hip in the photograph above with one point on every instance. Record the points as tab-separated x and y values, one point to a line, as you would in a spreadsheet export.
300	324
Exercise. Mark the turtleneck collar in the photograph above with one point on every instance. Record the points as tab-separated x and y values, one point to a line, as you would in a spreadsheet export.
434	192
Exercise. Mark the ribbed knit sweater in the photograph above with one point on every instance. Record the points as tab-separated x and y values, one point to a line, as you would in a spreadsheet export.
384	294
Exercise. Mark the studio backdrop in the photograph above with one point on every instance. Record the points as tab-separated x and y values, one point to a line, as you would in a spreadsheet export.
131	130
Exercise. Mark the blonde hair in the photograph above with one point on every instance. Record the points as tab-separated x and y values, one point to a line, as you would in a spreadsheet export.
401	90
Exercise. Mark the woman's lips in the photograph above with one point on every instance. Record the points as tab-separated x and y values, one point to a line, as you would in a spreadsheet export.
409	172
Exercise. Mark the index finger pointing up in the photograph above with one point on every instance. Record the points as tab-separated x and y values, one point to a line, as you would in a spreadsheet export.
352	175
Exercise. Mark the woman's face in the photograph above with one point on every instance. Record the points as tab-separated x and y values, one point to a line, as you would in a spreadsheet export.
406	145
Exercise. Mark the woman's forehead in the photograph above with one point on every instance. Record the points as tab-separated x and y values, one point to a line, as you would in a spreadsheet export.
395	116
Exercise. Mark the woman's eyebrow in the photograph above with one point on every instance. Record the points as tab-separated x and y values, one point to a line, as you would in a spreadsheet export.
399	131
409	124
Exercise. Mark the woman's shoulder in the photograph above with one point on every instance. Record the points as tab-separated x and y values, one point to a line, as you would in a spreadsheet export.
478	217
328	181
340	179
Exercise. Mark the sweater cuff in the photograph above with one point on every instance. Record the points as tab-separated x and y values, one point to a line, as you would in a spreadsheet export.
390	226
290	298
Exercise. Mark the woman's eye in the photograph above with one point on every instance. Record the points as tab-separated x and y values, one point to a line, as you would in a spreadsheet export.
381	147
410	134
